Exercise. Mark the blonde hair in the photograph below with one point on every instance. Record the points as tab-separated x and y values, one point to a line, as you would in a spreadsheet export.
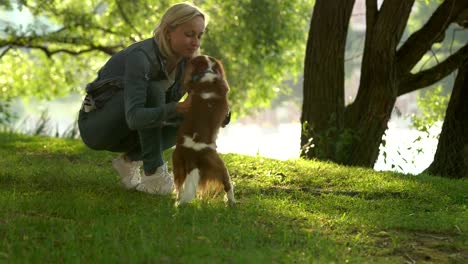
174	16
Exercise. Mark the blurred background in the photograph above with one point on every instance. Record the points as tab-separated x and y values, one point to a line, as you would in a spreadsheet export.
42	87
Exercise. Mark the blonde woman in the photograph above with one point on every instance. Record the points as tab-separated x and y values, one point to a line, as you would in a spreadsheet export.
133	105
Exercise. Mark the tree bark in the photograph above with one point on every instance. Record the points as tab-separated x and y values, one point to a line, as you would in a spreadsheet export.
413	82
451	157
369	114
323	110
352	135
421	41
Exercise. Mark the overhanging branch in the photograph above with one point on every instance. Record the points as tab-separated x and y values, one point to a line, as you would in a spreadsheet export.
462	19
422	40
110	50
50	52
371	16
126	19
387	24
7	48
371	13
430	76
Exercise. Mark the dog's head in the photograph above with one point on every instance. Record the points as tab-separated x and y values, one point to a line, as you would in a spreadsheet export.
205	70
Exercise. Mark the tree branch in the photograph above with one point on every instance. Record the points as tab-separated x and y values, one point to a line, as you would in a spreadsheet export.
421	41
127	20
430	76
5	51
387	21
49	53
371	13
371	16
110	50
75	23
92	26
462	19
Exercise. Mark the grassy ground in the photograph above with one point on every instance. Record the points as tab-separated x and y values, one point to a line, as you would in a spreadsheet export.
60	202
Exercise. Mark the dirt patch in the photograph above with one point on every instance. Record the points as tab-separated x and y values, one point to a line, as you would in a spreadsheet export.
420	247
368	195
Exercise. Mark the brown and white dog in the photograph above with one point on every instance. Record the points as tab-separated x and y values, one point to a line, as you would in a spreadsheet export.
196	163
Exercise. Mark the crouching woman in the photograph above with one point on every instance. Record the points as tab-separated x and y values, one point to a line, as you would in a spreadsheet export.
133	105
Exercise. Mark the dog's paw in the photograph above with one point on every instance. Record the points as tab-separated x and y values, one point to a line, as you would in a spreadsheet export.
229	197
232	203
179	204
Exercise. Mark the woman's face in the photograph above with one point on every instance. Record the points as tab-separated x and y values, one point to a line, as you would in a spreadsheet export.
185	39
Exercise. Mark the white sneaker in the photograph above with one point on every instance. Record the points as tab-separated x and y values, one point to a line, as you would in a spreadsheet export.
161	182
129	171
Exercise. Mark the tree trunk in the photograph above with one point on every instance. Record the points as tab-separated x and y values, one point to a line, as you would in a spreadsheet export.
369	114
352	135
323	108
451	157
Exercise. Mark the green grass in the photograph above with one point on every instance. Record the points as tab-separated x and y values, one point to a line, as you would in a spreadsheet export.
61	203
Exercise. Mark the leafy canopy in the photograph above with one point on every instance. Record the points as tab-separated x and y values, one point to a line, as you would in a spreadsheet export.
260	42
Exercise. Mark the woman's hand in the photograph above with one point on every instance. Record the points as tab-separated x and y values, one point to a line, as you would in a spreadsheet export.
183	107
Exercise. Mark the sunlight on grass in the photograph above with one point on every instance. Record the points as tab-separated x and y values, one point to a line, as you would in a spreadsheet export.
62	203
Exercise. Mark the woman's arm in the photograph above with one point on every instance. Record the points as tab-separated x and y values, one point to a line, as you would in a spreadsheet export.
136	79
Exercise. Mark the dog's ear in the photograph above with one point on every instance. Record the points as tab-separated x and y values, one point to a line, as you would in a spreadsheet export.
226	86
188	71
219	68
220	86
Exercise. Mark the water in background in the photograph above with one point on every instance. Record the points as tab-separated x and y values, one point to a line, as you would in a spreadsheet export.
264	135
279	139
282	142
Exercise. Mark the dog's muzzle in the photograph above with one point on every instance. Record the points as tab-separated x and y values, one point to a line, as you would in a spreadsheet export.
198	77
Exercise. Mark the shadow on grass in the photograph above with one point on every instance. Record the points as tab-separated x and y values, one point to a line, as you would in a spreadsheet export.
64	201
127	225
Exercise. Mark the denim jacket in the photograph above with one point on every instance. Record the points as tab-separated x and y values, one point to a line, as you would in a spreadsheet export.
135	70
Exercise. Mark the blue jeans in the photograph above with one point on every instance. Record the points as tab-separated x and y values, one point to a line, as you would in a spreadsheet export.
107	129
